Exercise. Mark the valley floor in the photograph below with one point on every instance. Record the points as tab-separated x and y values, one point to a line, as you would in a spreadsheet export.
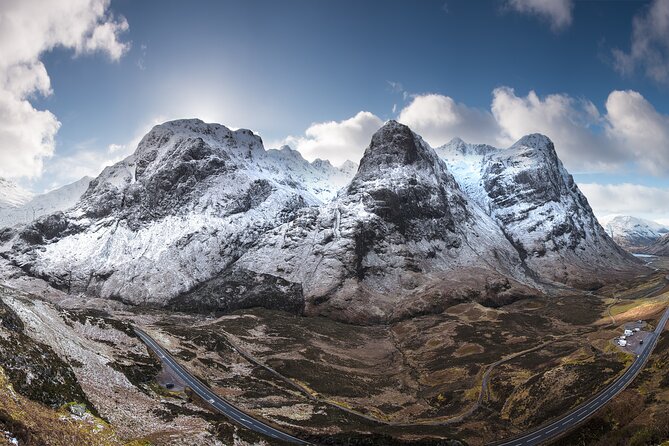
472	373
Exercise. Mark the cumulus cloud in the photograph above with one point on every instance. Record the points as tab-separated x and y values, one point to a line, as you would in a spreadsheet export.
30	28
649	49
337	141
558	13
438	119
627	199
635	125
628	133
569	122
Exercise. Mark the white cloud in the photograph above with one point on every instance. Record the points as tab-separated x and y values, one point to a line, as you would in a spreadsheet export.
557	12
634	124
569	122
30	28
438	119
336	141
649	49
629	133
627	199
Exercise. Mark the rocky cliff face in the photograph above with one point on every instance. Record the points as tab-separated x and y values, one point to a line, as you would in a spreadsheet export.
189	202
539	208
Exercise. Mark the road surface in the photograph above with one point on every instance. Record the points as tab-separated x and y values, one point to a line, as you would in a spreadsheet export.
587	409
211	398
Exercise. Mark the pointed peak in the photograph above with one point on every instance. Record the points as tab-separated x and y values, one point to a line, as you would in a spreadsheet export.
535	141
456	141
394	143
322	164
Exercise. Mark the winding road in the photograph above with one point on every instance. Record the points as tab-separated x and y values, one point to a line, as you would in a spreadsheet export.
215	401
584	411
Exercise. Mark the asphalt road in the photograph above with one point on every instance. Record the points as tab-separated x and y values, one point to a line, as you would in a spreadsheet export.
587	409
212	399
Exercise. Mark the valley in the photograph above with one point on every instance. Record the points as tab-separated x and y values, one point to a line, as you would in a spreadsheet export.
417	381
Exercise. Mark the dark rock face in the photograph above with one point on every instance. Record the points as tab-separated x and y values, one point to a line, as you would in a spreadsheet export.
239	289
47	228
415	199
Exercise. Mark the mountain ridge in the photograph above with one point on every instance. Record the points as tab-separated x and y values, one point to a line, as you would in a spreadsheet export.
202	217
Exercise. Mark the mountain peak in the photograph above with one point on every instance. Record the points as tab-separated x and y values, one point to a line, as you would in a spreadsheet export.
393	144
456	141
535	141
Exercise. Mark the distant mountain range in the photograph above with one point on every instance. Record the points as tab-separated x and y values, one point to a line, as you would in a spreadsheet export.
203	218
25	207
634	234
12	195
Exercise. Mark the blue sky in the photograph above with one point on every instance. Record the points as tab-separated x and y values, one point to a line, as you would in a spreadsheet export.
279	67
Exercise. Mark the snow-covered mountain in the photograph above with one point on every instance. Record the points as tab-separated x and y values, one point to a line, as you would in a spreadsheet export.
538	207
632	233
56	200
204	218
12	195
189	202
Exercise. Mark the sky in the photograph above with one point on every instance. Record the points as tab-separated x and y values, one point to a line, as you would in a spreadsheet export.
81	81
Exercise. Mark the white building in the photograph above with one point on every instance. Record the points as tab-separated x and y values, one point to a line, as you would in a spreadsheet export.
622	342
628	332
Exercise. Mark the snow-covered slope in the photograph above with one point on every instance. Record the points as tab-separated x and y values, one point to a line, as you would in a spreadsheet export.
190	200
12	195
319	177
632	233
56	200
539	208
